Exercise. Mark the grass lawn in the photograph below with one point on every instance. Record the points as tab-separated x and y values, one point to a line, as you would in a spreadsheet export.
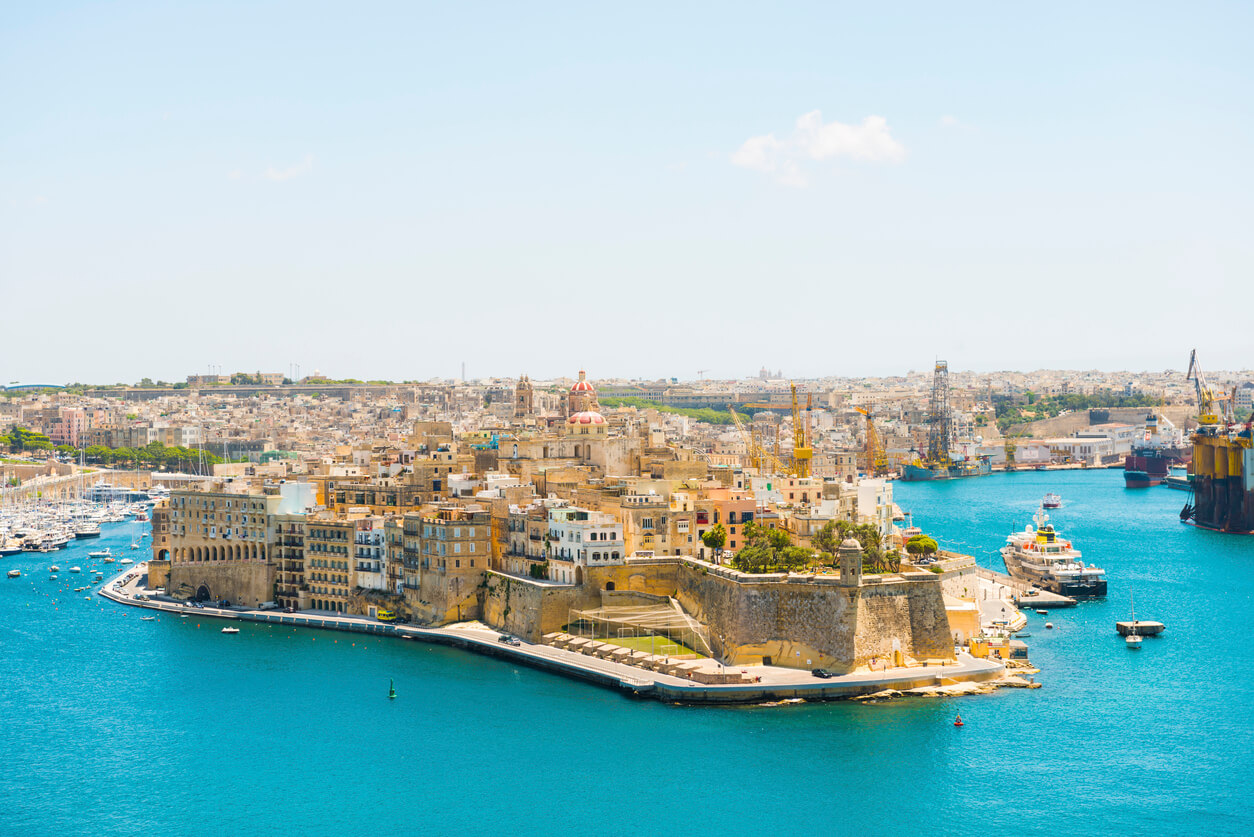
650	645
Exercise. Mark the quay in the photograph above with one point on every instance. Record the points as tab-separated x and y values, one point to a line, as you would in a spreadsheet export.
1023	596
767	683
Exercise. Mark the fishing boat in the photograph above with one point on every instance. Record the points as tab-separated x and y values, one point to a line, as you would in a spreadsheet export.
1039	556
1051	501
54	569
15	573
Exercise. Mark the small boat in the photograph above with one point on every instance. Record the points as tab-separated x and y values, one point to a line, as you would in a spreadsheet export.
230	630
183	615
126	561
108	560
958	721
54	569
52	578
1049	625
100	553
76	569
1040	612
1138	627
1051	501
1133	640
147	618
15	573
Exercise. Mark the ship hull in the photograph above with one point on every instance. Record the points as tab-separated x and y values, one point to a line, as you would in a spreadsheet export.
1140	479
959	470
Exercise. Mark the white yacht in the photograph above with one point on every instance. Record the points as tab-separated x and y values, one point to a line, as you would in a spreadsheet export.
1039	556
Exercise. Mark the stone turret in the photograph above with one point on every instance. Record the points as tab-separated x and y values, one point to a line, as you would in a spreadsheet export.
850	555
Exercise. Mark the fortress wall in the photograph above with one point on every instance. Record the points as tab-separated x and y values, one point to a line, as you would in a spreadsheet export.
799	623
246	582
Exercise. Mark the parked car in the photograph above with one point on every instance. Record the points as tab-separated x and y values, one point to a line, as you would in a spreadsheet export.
824	673
509	640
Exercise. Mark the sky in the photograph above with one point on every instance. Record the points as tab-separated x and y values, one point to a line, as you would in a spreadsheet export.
390	190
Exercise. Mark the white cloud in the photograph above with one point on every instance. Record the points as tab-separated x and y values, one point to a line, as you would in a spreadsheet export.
299	169
949	121
812	139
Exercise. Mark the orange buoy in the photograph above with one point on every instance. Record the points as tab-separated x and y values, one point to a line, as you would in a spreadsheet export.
958	721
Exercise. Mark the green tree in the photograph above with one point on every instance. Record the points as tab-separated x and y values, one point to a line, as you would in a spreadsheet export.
715	539
96	453
827	540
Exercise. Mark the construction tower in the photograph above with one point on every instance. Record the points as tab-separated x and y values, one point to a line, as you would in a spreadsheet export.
939	419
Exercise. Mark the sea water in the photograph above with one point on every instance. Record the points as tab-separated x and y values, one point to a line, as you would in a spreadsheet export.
113	725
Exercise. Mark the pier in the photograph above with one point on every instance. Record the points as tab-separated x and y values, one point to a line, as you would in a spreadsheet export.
1023	595
767	683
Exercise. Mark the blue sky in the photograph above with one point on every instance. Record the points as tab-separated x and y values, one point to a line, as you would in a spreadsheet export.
388	190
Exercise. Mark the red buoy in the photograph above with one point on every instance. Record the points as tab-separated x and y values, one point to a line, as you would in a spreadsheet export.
958	721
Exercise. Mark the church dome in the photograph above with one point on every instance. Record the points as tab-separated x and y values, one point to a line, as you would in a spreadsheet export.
586	417
583	384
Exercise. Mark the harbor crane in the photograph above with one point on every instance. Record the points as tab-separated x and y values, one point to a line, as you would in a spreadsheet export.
874	459
802	453
1207	398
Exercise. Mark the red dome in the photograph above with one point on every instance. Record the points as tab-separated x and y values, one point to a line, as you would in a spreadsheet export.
587	417
582	386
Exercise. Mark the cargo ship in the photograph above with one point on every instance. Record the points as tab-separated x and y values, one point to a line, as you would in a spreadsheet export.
1151	461
1039	556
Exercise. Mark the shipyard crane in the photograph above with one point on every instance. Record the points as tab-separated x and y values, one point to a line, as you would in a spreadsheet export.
874	459
801	450
1206	397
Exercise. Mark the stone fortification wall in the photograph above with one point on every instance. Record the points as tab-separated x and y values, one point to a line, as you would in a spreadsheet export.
246	582
751	619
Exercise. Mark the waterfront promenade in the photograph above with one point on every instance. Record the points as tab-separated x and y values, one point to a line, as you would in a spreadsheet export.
770	683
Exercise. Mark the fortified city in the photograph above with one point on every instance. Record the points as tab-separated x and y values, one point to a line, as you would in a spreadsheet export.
657	418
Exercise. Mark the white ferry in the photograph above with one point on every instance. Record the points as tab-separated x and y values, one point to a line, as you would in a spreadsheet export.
1039	556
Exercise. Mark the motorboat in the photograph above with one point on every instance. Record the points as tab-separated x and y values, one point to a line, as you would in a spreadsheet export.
1051	501
230	630
54	569
126	561
147	618
76	569
15	573
1132	640
101	553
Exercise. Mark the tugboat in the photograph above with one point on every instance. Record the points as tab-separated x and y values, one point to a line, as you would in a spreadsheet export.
1038	556
1051	501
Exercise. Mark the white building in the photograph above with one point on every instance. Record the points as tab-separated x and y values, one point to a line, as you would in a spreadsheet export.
370	554
581	538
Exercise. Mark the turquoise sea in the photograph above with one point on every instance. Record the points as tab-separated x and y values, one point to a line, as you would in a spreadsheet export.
117	726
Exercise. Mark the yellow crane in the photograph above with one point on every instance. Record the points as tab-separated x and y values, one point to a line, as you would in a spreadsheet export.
802	453
759	457
1207	398
874	459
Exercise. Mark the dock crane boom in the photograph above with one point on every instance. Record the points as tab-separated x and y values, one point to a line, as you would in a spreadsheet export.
1206	397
